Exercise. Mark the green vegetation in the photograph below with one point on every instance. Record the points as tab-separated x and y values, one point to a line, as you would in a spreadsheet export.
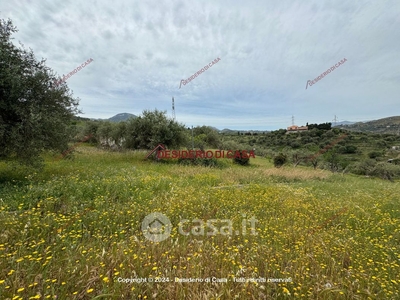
243	159
34	114
143	132
330	149
390	125
280	160
73	229
335	149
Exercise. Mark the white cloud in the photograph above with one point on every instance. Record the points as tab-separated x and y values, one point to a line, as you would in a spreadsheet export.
268	51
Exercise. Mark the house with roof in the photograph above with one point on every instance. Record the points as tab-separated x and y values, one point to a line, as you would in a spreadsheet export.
295	128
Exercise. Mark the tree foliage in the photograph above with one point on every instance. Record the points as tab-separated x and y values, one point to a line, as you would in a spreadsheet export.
153	128
206	136
297	157
375	154
243	160
34	115
322	126
280	160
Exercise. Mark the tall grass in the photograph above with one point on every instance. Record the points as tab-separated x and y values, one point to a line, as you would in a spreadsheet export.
74	229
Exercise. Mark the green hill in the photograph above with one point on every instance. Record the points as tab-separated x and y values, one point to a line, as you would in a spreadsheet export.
121	117
389	125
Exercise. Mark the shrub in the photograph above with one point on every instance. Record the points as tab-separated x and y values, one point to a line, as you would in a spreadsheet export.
381	143
242	160
333	160
396	161
349	149
295	145
374	154
370	167
228	145
386	171
280	160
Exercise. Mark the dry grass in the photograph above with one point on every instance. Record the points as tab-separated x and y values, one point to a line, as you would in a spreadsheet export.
297	173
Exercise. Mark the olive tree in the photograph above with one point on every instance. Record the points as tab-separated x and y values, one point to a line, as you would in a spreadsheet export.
34	113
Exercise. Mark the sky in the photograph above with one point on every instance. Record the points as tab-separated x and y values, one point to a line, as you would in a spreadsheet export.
268	50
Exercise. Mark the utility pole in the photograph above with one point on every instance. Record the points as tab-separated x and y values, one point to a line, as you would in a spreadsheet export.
334	121
192	139
173	109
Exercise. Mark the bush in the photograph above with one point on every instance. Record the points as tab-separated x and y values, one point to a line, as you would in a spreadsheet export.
333	161
386	171
381	143
280	160
242	160
371	167
396	161
349	149
310	146
261	152
374	154
295	145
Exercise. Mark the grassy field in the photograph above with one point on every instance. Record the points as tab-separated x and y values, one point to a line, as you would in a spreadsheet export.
73	231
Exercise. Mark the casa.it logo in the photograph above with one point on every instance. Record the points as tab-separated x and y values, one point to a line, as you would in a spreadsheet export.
156	227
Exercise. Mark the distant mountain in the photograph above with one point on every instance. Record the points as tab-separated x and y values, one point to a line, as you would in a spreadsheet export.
233	131
80	119
343	123
389	125
227	130
121	117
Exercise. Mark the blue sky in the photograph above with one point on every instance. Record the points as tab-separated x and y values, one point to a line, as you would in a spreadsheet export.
141	50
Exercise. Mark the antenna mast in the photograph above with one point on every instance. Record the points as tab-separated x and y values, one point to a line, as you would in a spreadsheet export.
335	119
173	109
